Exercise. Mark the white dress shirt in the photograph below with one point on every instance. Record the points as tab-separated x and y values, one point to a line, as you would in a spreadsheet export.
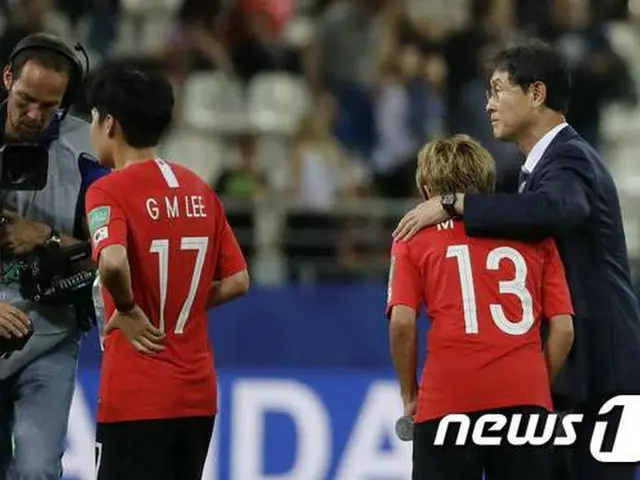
536	153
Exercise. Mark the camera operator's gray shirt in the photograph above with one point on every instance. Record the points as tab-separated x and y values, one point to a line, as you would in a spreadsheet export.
55	205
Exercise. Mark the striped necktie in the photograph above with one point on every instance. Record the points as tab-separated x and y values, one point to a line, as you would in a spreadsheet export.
523	177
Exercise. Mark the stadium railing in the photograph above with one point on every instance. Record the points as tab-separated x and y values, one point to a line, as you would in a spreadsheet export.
287	242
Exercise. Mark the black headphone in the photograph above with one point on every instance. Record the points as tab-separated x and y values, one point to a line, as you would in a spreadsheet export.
78	72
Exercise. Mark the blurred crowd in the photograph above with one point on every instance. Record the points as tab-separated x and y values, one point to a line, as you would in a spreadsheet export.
379	77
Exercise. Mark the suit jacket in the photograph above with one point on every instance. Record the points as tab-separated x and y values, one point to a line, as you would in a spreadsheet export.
571	196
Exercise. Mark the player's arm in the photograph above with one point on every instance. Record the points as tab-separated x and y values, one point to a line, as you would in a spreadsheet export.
559	342
231	278
228	288
560	202
115	276
557	308
403	303
108	229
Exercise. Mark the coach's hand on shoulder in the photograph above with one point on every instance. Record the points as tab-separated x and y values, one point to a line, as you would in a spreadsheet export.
426	214
136	326
19	235
13	322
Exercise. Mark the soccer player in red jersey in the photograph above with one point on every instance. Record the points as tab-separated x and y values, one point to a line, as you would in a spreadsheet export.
165	254
486	300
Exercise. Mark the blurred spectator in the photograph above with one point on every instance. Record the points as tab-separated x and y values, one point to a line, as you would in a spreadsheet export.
599	75
322	177
239	186
27	17
75	9
533	17
343	60
363	250
197	42
466	52
321	172
409	110
244	181
102	17
254	37
103	25
244	37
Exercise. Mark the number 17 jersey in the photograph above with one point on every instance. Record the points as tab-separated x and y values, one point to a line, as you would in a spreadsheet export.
178	242
485	299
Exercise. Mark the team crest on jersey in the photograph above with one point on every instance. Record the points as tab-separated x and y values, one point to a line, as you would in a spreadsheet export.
10	273
101	234
97	218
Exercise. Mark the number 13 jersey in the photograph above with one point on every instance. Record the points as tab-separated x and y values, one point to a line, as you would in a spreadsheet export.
485	299
178	242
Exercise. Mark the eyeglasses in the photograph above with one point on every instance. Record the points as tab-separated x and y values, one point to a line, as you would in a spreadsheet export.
497	93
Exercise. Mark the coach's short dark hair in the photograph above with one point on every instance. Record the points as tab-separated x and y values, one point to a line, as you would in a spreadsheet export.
44	57
139	98
536	61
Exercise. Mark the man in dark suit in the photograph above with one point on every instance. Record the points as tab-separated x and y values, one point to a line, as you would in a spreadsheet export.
565	191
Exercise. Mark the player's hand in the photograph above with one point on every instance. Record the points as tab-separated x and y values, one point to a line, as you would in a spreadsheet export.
13	322
19	235
410	405
136	326
426	214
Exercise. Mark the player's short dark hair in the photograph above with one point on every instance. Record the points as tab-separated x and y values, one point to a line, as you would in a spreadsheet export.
44	57
139	98
536	61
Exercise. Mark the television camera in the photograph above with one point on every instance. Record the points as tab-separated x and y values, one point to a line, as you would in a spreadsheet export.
51	275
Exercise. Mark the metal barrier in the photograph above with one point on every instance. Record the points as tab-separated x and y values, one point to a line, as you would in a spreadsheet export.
286	242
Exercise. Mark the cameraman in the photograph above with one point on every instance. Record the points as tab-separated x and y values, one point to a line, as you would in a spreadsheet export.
37	382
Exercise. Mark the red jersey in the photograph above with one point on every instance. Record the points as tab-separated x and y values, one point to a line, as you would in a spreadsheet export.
485	299
178	241
273	16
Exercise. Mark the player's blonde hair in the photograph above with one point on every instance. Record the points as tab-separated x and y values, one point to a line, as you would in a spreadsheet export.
458	164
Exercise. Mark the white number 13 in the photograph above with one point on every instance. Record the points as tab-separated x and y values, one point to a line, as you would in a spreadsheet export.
516	287
161	247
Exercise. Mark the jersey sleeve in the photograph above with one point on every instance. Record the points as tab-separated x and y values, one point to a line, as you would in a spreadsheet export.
405	286
90	172
556	298
230	258
106	219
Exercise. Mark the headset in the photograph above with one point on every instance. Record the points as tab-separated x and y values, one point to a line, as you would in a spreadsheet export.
78	72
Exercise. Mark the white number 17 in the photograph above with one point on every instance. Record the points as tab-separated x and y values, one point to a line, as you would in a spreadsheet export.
161	247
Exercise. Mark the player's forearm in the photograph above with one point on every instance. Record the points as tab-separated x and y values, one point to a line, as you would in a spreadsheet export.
404	351
559	342
228	289
115	276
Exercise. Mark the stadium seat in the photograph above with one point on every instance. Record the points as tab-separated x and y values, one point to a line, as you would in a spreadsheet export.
214	102
299	32
277	103
202	153
274	158
143	33
156	29
137	7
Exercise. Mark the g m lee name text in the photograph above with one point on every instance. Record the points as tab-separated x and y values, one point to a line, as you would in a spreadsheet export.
189	206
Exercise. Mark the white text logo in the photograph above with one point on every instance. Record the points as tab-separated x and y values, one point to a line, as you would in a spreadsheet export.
493	429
